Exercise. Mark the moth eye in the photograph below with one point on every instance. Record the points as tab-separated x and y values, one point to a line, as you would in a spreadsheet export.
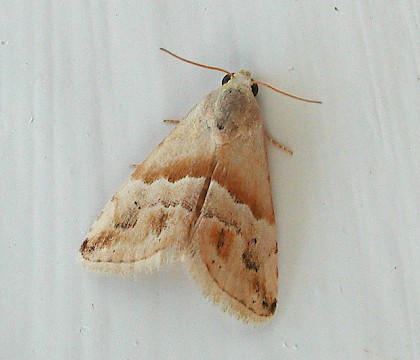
226	78
254	88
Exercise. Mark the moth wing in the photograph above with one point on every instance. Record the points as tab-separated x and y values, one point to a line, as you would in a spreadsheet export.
233	246
149	219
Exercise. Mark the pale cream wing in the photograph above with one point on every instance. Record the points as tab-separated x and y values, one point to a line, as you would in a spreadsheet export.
233	246
149	219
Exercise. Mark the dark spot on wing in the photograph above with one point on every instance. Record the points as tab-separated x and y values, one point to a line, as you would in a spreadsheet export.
249	261
250	256
273	307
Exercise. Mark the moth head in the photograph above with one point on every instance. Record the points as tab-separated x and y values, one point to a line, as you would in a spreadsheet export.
245	76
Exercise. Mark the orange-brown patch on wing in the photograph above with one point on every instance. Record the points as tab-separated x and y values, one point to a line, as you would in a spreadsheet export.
106	241
197	167
245	190
222	240
158	222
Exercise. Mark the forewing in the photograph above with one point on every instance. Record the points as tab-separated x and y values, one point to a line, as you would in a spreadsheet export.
149	219
234	243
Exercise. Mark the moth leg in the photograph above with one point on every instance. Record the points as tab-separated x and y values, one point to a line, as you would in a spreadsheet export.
277	144
171	121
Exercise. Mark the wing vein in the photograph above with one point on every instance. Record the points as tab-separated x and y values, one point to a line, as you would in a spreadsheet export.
202	198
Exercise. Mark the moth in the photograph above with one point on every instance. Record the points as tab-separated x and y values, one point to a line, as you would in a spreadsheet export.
202	197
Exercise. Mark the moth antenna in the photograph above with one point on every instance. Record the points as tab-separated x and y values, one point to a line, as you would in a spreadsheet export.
285	93
195	63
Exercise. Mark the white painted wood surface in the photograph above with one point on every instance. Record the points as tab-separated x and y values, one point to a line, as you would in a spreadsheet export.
83	90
